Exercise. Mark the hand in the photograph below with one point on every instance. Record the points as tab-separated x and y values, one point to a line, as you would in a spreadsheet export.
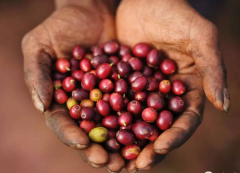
88	24
175	28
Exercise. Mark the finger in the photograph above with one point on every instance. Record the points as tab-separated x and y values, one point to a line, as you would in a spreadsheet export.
116	163
95	155
65	127
131	166
207	56
184	126
37	77
147	159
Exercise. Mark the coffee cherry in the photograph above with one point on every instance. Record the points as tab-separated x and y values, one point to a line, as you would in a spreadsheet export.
63	65
106	85
136	64
125	137
155	135
165	86
96	50
104	71
98	60
149	115
74	64
57	84
141	142
178	87
69	84
147	71
87	126
98	134
141	50
106	97
142	130
60	96
126	57
88	81
134	76
78	52
103	108
78	74
124	50
116	101
113	60
111	47
135	108
111	122
141	96
139	84
75	112
121	86
153	84
95	95
87	103
112	144
159	76
88	56
58	76
71	102
79	94
153	58
155	100
125	119
130	152
164	120
123	69
168	67
85	65
176	104
128	127
87	113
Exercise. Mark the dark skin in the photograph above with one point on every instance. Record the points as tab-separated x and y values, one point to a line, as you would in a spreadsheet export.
172	26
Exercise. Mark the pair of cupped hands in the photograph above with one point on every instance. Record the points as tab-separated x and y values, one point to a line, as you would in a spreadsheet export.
171	26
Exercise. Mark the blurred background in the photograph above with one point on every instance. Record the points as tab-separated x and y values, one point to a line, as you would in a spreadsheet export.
28	146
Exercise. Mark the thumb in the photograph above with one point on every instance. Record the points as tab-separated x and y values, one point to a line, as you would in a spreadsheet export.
37	70
210	64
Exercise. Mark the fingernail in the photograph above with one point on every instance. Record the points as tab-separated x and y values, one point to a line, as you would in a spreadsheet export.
146	168
37	101
133	171
96	165
112	171
162	151
226	102
79	146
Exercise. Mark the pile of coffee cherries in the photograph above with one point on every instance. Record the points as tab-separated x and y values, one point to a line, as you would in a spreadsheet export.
120	97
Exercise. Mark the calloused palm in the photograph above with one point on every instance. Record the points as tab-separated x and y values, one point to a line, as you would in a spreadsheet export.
55	38
175	28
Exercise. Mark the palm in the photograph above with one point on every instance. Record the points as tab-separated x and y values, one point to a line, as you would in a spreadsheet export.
171	34
55	38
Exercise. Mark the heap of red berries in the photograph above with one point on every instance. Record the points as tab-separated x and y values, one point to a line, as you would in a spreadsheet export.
121	98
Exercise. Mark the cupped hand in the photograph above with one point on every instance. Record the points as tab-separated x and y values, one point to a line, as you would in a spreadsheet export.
87	25
183	35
